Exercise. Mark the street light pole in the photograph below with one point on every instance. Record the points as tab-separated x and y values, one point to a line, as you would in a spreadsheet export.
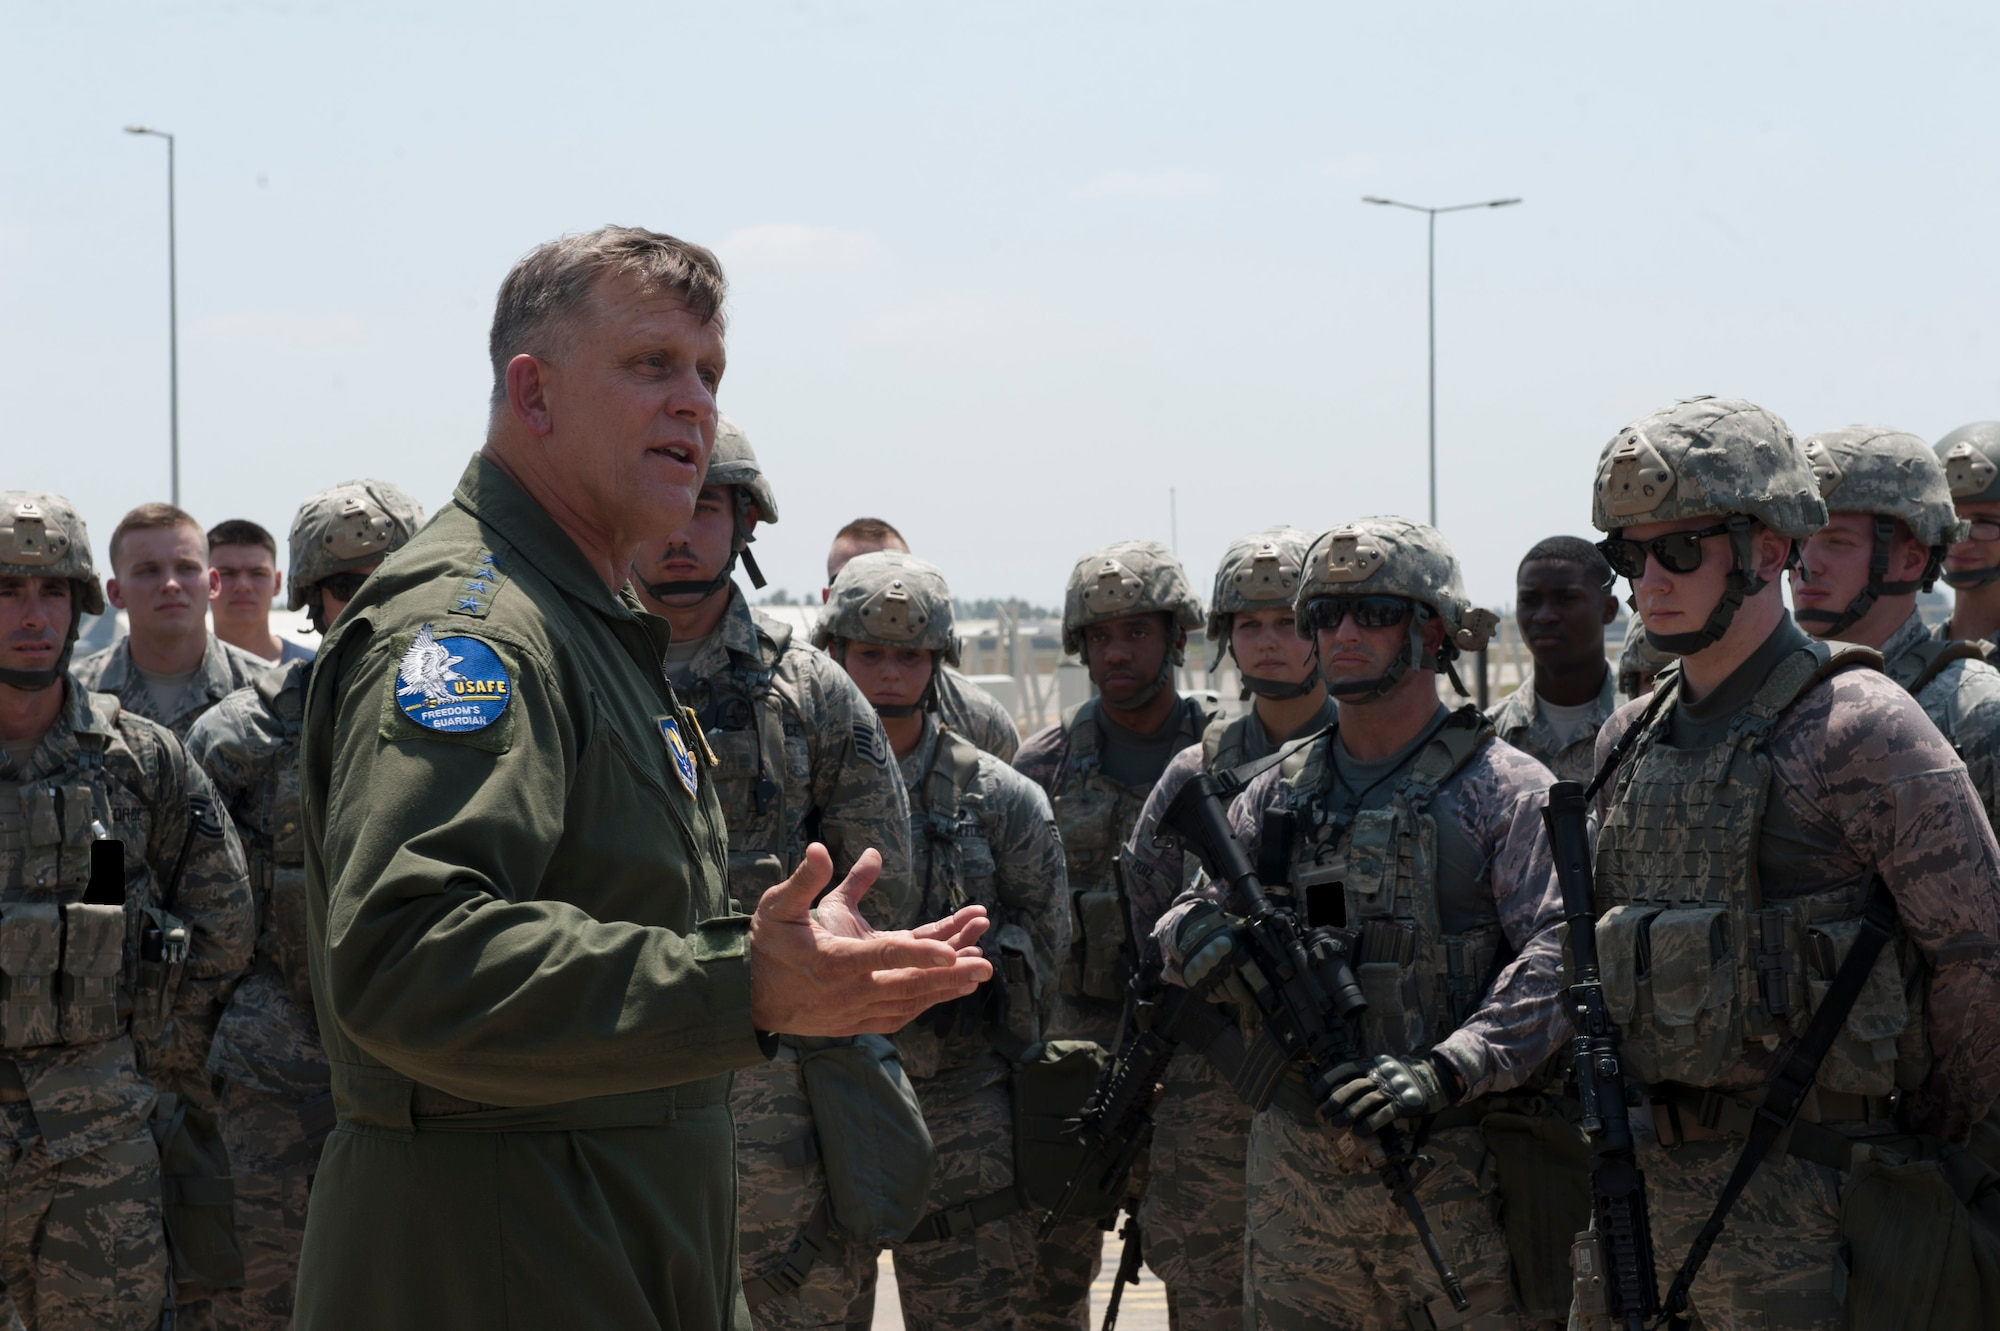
173	324
1432	301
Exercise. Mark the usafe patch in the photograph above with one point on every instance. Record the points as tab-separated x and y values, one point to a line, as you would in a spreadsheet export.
451	684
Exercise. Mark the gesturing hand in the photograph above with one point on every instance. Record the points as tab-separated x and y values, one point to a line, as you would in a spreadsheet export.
828	972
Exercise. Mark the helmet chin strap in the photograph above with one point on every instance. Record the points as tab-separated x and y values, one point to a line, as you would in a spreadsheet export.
1742	582
1833	623
1151	691
1974	577
34	681
897	710
1277	690
1410	658
739	548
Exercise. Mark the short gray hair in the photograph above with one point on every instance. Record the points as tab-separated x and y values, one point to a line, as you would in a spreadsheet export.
540	300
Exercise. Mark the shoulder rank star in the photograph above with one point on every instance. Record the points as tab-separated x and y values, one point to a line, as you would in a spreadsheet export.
677	749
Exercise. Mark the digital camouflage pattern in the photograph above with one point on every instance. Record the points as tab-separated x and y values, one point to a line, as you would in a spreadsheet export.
734	462
1127	578
83	1160
1325	1243
1860	783
267	1052
1259	571
1638	658
1705	456
1963	702
803	758
998	848
1876	469
977	715
1971	458
350	526
224	668
41	536
1519	719
892	599
1389	556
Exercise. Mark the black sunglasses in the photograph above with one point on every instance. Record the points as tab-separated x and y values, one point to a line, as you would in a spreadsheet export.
1370	612
1677	551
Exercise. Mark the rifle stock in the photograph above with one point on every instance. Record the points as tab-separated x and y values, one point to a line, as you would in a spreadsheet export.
1615	1267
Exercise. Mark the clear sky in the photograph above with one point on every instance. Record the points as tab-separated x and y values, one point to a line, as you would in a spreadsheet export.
1006	274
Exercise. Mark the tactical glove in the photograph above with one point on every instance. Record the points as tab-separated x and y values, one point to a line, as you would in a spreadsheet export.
1205	946
1368	1096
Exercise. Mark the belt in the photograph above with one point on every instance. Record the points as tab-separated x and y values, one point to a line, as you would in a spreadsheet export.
432	1110
1692	1114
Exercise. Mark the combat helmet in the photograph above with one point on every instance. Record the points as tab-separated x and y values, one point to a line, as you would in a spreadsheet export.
1388	556
41	536
1889	475
1637	659
1258	572
350	526
890	599
1971	458
1709	457
1130	578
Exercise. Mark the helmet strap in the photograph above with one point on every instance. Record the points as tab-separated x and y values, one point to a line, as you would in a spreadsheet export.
34	681
1743	582
1277	690
1151	691
1833	623
1410	658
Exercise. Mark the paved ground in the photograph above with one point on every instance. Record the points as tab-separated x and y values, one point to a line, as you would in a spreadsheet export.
1144	1307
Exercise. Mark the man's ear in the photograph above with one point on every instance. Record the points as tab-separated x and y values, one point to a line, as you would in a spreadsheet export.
527	394
277	584
1771	551
1433	635
1610	609
215	584
1908	558
113	594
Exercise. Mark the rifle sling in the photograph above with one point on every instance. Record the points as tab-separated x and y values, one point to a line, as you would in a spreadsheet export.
1788	1086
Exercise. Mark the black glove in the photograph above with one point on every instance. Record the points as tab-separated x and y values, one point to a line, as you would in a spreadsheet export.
1370	1095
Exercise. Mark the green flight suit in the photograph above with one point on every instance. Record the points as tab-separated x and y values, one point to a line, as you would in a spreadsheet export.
528	975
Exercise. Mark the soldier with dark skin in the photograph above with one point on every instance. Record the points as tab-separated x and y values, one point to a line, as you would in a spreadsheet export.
1192	1214
1413	826
1562	603
530	979
101	1032
1971	458
803	759
1127	613
276	1102
982	833
1772	785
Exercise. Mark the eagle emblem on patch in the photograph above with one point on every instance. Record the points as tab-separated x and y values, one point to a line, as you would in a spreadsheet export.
677	749
451	684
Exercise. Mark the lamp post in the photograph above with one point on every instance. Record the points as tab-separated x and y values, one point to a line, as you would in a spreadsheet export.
173	323
1432	214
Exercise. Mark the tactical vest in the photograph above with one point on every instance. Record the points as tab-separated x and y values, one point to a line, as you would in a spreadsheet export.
277	850
742	714
1697	965
74	972
1916	668
1095	814
1421	983
1223	748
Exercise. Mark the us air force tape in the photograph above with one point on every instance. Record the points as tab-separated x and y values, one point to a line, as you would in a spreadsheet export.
451	684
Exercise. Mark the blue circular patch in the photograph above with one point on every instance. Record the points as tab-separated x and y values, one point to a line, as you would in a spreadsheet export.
451	684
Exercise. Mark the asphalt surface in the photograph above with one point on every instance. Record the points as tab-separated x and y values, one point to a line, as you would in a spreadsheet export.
1144	1307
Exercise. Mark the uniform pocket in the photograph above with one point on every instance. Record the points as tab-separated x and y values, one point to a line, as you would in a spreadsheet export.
1619	932
1695	1038
1394	1021
1101	936
1371	863
93	954
1863	1058
30	947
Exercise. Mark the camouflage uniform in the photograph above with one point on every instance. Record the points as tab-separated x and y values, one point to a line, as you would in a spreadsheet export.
106	1006
275	1092
983	835
1518	718
976	714
1637	659
224	668
1095	816
1442	868
1971	458
1817	774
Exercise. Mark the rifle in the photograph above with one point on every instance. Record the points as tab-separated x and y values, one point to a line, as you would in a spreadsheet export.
1614	1265
1128	1270
1302	985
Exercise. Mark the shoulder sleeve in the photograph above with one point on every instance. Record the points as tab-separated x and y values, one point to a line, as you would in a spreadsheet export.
857	791
1032	880
441	944
1155	865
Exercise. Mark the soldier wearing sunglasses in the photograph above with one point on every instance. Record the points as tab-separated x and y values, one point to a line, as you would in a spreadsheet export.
1413	826
1971	457
1772	787
1890	524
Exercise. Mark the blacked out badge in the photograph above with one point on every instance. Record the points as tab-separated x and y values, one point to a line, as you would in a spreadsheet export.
677	749
451	684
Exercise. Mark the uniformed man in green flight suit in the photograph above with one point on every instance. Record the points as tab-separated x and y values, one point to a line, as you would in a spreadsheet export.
531	982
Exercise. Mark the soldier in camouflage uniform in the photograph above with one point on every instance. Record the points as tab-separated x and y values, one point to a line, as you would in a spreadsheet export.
124	921
275	1094
1562	602
962	705
1890	524
1413	826
223	667
1771	784
803	759
1639	663
1127	612
982	834
1971	457
1192	1212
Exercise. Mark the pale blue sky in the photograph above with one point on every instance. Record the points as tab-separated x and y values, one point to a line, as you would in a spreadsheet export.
1004	274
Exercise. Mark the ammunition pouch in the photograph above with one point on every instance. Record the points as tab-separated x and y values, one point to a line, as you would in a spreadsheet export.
93	956
1052	1083
876	1150
198	1197
1099	950
163	954
30	952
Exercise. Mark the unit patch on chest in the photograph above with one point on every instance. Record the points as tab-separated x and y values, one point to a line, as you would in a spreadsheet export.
677	749
451	683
